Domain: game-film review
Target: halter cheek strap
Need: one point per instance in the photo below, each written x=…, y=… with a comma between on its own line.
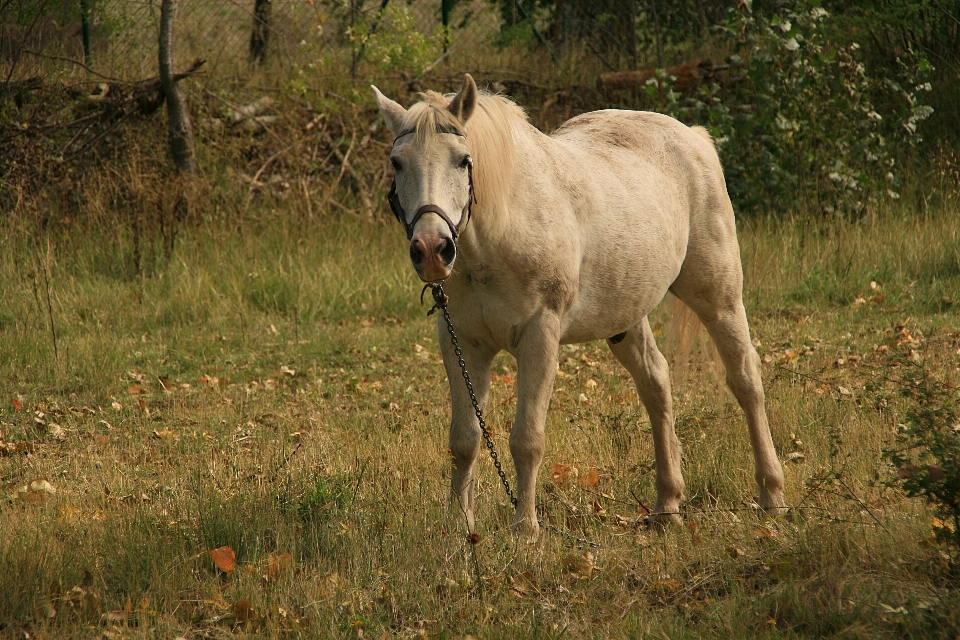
x=398, y=212
x=455, y=229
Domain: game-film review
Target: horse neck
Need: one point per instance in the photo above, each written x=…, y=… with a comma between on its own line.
x=501, y=188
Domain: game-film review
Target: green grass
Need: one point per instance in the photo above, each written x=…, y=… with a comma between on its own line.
x=264, y=390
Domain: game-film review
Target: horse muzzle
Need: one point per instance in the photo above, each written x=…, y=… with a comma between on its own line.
x=432, y=254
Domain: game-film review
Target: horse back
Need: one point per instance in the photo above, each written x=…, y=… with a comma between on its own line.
x=651, y=155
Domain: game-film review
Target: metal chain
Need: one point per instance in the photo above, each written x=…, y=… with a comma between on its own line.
x=440, y=298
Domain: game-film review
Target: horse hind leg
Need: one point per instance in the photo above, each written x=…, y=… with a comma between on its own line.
x=719, y=306
x=637, y=351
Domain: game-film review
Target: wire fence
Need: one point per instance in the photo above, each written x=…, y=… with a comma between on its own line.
x=118, y=38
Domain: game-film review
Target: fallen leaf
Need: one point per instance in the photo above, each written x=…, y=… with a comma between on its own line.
x=278, y=563
x=579, y=566
x=225, y=558
x=134, y=390
x=624, y=522
x=589, y=479
x=765, y=532
x=17, y=405
x=665, y=587
x=36, y=491
x=242, y=611
x=942, y=524
x=794, y=456
x=45, y=608
x=166, y=434
x=559, y=473
x=906, y=472
x=119, y=616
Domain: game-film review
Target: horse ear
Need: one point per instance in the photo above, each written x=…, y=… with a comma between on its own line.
x=392, y=112
x=465, y=101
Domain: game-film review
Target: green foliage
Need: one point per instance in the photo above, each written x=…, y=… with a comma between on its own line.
x=326, y=497
x=394, y=43
x=518, y=34
x=927, y=456
x=798, y=121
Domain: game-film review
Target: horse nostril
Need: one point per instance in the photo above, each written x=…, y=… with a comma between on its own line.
x=416, y=253
x=447, y=251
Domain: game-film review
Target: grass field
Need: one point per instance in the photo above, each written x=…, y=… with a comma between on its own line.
x=279, y=391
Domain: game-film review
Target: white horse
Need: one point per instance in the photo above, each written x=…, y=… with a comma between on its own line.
x=571, y=237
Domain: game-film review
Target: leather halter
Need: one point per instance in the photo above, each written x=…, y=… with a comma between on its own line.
x=398, y=212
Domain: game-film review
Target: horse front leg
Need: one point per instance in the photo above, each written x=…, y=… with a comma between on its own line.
x=465, y=433
x=536, y=371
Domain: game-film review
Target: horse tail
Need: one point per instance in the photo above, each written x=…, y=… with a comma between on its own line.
x=703, y=133
x=685, y=337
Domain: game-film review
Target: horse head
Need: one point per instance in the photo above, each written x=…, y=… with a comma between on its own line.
x=433, y=175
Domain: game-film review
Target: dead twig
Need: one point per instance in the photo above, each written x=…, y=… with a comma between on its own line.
x=256, y=176
x=433, y=64
x=345, y=160
x=78, y=63
x=239, y=109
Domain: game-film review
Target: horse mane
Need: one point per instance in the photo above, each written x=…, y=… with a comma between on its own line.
x=490, y=139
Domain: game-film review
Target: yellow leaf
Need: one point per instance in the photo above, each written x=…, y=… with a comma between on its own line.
x=278, y=563
x=580, y=566
x=665, y=587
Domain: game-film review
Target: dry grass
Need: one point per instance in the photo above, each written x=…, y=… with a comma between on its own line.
x=286, y=397
x=261, y=376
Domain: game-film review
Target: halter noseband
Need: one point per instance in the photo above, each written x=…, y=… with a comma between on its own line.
x=398, y=212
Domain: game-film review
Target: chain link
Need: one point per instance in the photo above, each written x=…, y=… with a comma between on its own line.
x=440, y=300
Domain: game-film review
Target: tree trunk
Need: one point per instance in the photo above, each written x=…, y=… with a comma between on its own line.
x=261, y=31
x=181, y=131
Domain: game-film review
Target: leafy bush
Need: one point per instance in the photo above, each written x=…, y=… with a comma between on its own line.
x=927, y=455
x=394, y=42
x=797, y=120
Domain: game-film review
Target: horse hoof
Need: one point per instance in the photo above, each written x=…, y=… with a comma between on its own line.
x=773, y=504
x=526, y=531
x=660, y=520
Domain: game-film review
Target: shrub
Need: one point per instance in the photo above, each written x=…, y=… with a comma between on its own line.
x=394, y=43
x=927, y=451
x=797, y=120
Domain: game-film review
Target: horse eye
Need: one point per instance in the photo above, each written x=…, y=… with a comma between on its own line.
x=396, y=164
x=465, y=162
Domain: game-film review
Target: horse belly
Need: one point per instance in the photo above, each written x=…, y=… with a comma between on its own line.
x=606, y=309
x=634, y=245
